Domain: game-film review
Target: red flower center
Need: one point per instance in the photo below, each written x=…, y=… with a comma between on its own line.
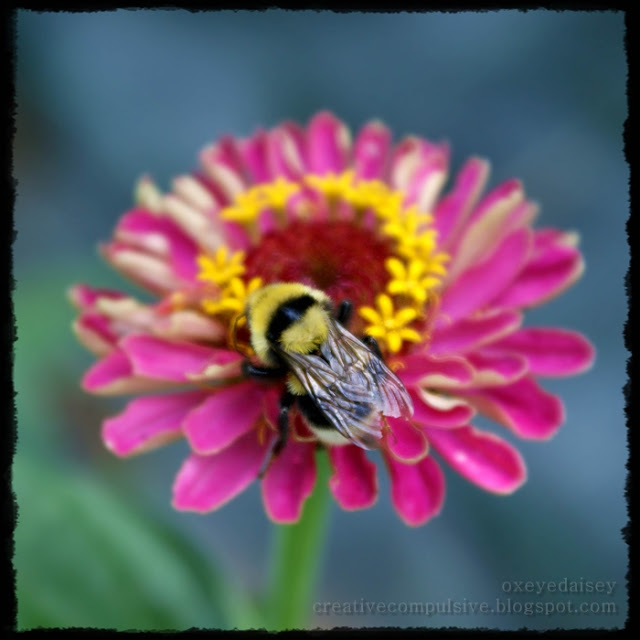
x=341, y=258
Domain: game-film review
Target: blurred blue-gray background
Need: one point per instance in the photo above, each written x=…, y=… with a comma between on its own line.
x=104, y=97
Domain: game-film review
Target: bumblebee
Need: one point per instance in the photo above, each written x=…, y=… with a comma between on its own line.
x=340, y=384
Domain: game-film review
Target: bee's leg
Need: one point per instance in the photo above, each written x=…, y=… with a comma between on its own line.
x=372, y=343
x=286, y=402
x=261, y=373
x=345, y=309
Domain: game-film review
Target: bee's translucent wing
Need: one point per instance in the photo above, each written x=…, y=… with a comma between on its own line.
x=351, y=386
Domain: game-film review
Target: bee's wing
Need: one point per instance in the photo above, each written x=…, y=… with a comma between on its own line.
x=351, y=386
x=362, y=367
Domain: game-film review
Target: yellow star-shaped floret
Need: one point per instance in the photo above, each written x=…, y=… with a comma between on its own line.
x=221, y=268
x=388, y=325
x=412, y=280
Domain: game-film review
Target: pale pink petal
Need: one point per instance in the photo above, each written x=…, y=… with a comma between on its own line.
x=153, y=357
x=469, y=333
x=254, y=152
x=424, y=370
x=289, y=481
x=353, y=483
x=287, y=152
x=483, y=282
x=161, y=236
x=417, y=490
x=149, y=422
x=523, y=406
x=228, y=413
x=404, y=441
x=496, y=368
x=551, y=269
x=205, y=483
x=549, y=352
x=428, y=178
x=371, y=151
x=483, y=458
x=454, y=208
x=433, y=410
x=186, y=324
x=329, y=144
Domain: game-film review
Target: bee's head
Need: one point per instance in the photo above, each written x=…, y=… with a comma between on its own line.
x=307, y=332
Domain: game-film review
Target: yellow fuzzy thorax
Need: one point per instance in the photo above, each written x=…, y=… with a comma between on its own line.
x=304, y=336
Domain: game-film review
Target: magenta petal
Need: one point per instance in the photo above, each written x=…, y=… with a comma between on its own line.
x=371, y=151
x=205, y=483
x=549, y=352
x=224, y=169
x=154, y=357
x=328, y=144
x=454, y=208
x=85, y=297
x=254, y=153
x=289, y=481
x=417, y=490
x=110, y=369
x=483, y=458
x=483, y=282
x=423, y=370
x=523, y=406
x=497, y=368
x=227, y=414
x=449, y=416
x=405, y=441
x=95, y=332
x=353, y=483
x=149, y=422
x=551, y=269
x=469, y=333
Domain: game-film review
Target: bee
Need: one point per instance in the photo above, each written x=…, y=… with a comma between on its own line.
x=339, y=383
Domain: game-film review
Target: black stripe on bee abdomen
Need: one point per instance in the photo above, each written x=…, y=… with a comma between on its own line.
x=287, y=313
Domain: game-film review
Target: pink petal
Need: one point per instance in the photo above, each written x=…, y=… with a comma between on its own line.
x=486, y=227
x=353, y=483
x=371, y=151
x=428, y=178
x=254, y=153
x=549, y=352
x=483, y=282
x=205, y=483
x=84, y=296
x=328, y=144
x=424, y=370
x=452, y=414
x=417, y=490
x=95, y=333
x=523, y=406
x=105, y=372
x=160, y=235
x=154, y=357
x=150, y=271
x=404, y=441
x=223, y=166
x=149, y=422
x=287, y=151
x=496, y=369
x=289, y=482
x=454, y=208
x=551, y=269
x=228, y=413
x=469, y=333
x=483, y=458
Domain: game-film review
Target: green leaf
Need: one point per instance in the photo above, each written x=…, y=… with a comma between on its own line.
x=83, y=559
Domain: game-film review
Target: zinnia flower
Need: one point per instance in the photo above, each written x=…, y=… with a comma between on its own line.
x=439, y=281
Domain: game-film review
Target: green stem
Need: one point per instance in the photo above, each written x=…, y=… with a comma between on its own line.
x=297, y=552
